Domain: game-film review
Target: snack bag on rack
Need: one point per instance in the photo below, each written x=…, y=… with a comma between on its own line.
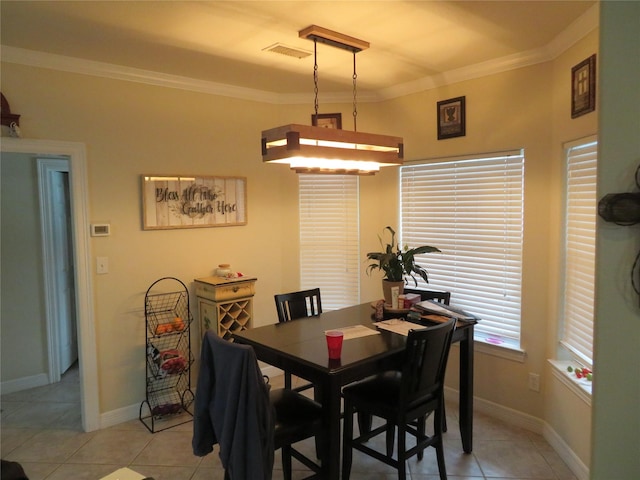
x=171, y=361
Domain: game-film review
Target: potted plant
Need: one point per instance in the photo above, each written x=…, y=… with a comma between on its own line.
x=397, y=264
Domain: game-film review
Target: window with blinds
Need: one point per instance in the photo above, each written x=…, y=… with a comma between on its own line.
x=471, y=209
x=579, y=249
x=329, y=238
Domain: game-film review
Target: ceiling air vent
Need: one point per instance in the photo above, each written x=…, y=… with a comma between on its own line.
x=288, y=51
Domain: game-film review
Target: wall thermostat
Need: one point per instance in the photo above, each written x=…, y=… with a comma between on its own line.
x=100, y=229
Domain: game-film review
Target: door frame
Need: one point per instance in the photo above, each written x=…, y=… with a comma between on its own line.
x=46, y=165
x=79, y=190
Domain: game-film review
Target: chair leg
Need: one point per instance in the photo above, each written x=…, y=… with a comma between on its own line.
x=391, y=433
x=444, y=416
x=364, y=422
x=402, y=452
x=421, y=434
x=286, y=462
x=287, y=380
x=442, y=469
x=347, y=436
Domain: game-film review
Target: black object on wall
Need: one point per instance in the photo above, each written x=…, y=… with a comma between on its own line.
x=624, y=209
x=620, y=208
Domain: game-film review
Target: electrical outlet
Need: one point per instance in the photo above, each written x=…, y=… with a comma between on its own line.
x=534, y=382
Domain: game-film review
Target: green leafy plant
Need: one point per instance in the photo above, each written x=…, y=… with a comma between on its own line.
x=397, y=263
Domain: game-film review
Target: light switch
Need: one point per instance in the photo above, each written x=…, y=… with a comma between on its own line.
x=102, y=265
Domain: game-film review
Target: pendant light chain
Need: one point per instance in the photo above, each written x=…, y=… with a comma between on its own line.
x=355, y=103
x=315, y=77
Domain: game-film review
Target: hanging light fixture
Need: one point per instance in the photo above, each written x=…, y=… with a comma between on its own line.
x=310, y=149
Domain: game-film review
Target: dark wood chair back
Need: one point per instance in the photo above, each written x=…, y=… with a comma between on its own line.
x=425, y=362
x=294, y=305
x=438, y=295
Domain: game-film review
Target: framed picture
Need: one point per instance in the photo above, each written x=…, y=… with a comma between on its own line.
x=451, y=118
x=583, y=87
x=327, y=120
x=189, y=201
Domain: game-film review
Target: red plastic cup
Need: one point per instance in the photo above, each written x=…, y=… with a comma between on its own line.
x=334, y=343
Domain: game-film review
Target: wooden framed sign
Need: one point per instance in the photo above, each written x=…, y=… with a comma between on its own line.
x=181, y=201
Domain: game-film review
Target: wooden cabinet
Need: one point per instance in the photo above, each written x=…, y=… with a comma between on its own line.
x=225, y=304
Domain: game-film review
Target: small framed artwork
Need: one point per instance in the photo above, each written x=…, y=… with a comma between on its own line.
x=327, y=120
x=451, y=118
x=583, y=87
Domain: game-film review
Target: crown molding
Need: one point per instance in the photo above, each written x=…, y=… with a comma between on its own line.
x=572, y=34
x=580, y=28
x=577, y=30
x=118, y=72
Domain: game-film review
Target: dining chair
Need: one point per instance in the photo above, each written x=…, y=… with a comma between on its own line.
x=235, y=408
x=401, y=398
x=439, y=296
x=293, y=306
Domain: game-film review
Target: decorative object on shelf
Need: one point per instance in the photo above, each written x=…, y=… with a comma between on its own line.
x=583, y=87
x=224, y=270
x=318, y=149
x=225, y=304
x=168, y=356
x=451, y=118
x=181, y=201
x=396, y=264
x=10, y=121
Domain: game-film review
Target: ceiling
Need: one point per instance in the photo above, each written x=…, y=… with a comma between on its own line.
x=224, y=41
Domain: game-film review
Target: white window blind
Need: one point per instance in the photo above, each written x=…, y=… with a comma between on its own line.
x=472, y=210
x=580, y=245
x=329, y=238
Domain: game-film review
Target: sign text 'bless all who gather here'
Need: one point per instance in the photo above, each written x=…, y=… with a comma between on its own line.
x=181, y=201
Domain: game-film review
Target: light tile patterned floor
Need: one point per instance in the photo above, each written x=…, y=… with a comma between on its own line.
x=41, y=430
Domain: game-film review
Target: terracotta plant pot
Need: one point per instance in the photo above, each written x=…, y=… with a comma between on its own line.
x=386, y=289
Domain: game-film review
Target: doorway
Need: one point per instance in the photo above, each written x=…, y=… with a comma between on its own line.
x=81, y=260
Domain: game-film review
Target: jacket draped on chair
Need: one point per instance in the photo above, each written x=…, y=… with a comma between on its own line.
x=232, y=408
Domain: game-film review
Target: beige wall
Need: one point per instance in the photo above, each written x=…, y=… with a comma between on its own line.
x=564, y=411
x=131, y=129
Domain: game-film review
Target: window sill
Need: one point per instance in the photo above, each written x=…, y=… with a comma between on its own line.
x=504, y=350
x=580, y=386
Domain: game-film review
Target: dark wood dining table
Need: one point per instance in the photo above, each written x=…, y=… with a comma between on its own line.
x=300, y=348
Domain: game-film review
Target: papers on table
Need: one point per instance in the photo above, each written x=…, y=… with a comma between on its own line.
x=355, y=331
x=433, y=307
x=397, y=325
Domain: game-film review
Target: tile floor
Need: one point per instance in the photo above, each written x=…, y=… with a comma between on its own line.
x=41, y=429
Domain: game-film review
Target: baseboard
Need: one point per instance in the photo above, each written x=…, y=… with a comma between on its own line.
x=119, y=415
x=577, y=466
x=24, y=383
x=530, y=423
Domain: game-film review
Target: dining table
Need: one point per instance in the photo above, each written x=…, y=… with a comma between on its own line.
x=300, y=347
